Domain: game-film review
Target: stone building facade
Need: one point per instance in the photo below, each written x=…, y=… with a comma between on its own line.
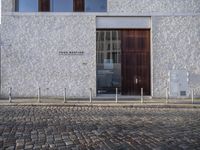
x=34, y=47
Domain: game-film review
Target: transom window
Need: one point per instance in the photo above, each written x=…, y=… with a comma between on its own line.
x=61, y=5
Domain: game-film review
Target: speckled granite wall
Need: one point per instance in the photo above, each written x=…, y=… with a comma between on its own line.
x=30, y=54
x=176, y=45
x=7, y=5
x=30, y=57
x=154, y=6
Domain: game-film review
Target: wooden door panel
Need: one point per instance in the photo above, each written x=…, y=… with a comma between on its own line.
x=135, y=62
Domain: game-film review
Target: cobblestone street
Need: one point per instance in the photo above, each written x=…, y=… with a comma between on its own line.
x=62, y=127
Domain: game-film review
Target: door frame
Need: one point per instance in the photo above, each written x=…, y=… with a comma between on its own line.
x=150, y=55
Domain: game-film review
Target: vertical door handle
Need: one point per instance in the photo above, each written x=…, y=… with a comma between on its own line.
x=136, y=80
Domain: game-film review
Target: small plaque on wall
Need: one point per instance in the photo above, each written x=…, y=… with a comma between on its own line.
x=71, y=52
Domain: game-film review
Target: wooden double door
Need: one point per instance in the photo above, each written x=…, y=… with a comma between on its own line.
x=135, y=62
x=129, y=52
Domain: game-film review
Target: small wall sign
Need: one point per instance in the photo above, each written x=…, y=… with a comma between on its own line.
x=71, y=52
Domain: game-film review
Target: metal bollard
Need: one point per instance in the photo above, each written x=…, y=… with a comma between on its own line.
x=90, y=95
x=192, y=94
x=10, y=95
x=142, y=99
x=116, y=97
x=167, y=95
x=65, y=95
x=39, y=95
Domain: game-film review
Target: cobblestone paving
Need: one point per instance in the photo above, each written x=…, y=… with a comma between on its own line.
x=59, y=127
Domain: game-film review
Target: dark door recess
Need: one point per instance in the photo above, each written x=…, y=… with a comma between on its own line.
x=136, y=62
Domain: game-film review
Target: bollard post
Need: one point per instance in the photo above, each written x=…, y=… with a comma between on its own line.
x=116, y=97
x=192, y=93
x=10, y=95
x=167, y=95
x=90, y=95
x=142, y=99
x=64, y=95
x=39, y=95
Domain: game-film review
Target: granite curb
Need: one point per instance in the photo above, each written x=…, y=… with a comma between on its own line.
x=121, y=103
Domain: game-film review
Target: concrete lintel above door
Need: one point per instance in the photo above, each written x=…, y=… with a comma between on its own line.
x=123, y=22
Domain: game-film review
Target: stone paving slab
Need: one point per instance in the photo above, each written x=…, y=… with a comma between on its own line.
x=96, y=127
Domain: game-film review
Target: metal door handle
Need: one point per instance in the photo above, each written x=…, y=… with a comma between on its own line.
x=136, y=80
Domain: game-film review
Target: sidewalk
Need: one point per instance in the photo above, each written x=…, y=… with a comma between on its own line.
x=186, y=103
